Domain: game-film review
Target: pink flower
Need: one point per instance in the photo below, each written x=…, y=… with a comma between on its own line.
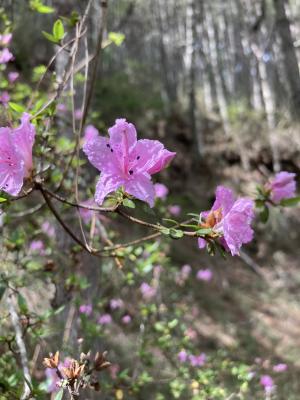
x=197, y=361
x=13, y=76
x=86, y=309
x=37, y=246
x=126, y=319
x=16, y=155
x=282, y=186
x=174, y=210
x=267, y=382
x=4, y=98
x=182, y=356
x=78, y=113
x=125, y=161
x=61, y=107
x=231, y=219
x=281, y=367
x=5, y=39
x=105, y=319
x=183, y=274
x=148, y=292
x=85, y=213
x=114, y=369
x=204, y=275
x=90, y=133
x=48, y=229
x=115, y=304
x=52, y=378
x=161, y=191
x=5, y=56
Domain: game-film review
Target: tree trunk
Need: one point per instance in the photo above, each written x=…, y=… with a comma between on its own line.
x=290, y=58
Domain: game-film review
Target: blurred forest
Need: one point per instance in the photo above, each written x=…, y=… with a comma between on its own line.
x=217, y=81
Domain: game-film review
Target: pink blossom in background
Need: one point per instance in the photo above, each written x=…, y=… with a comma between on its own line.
x=281, y=367
x=4, y=98
x=13, y=76
x=282, y=186
x=78, y=114
x=86, y=309
x=90, y=133
x=197, y=361
x=204, y=275
x=38, y=247
x=231, y=219
x=16, y=155
x=5, y=56
x=114, y=369
x=126, y=319
x=182, y=356
x=191, y=333
x=61, y=107
x=267, y=382
x=126, y=162
x=48, y=229
x=5, y=39
x=52, y=378
x=183, y=275
x=116, y=304
x=161, y=191
x=105, y=319
x=174, y=210
x=85, y=213
x=148, y=292
x=157, y=269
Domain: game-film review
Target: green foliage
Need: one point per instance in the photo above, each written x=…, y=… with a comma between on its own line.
x=40, y=7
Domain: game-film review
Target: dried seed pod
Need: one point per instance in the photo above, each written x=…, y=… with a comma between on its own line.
x=52, y=362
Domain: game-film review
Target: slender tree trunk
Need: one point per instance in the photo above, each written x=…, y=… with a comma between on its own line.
x=290, y=58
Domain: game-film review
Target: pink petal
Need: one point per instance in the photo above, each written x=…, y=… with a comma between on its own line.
x=23, y=138
x=142, y=188
x=106, y=185
x=99, y=153
x=224, y=200
x=90, y=133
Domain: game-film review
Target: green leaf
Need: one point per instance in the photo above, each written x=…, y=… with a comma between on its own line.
x=58, y=30
x=50, y=37
x=3, y=199
x=294, y=201
x=204, y=231
x=165, y=231
x=176, y=233
x=37, y=5
x=16, y=107
x=172, y=221
x=59, y=395
x=172, y=324
x=264, y=214
x=2, y=290
x=116, y=38
x=128, y=203
x=22, y=304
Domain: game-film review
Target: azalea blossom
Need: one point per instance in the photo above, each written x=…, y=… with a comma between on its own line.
x=78, y=113
x=182, y=356
x=126, y=319
x=267, y=382
x=126, y=162
x=5, y=39
x=37, y=247
x=85, y=213
x=230, y=219
x=148, y=292
x=16, y=155
x=90, y=133
x=281, y=367
x=86, y=309
x=204, y=275
x=115, y=304
x=197, y=361
x=4, y=98
x=13, y=76
x=105, y=319
x=174, y=209
x=5, y=56
x=48, y=229
x=161, y=191
x=282, y=186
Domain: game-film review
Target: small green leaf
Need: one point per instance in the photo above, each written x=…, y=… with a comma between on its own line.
x=3, y=199
x=2, y=290
x=204, y=231
x=22, y=304
x=165, y=231
x=116, y=38
x=50, y=37
x=16, y=107
x=58, y=30
x=264, y=214
x=172, y=324
x=59, y=395
x=176, y=233
x=294, y=201
x=37, y=5
x=128, y=203
x=172, y=221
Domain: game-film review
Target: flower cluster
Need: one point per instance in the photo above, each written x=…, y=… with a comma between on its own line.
x=5, y=54
x=229, y=220
x=126, y=162
x=16, y=155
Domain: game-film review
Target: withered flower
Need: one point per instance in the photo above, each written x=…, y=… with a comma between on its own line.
x=100, y=361
x=74, y=371
x=52, y=362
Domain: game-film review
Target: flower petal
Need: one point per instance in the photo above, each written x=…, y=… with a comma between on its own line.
x=23, y=138
x=142, y=188
x=224, y=200
x=99, y=153
x=106, y=185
